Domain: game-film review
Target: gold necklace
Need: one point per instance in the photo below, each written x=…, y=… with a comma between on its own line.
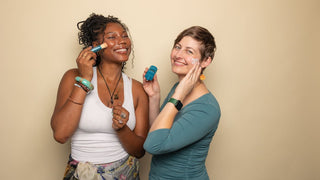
x=111, y=95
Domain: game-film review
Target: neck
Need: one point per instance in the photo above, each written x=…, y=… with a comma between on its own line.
x=198, y=86
x=110, y=71
x=197, y=83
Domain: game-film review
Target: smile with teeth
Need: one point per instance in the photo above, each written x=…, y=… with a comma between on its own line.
x=123, y=50
x=179, y=63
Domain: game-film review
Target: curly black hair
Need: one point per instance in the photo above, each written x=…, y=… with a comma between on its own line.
x=94, y=25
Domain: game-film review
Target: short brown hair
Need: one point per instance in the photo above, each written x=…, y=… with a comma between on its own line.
x=208, y=45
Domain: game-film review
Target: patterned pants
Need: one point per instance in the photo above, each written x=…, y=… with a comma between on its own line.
x=123, y=169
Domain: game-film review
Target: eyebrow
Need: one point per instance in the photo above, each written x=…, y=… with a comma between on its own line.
x=190, y=48
x=186, y=47
x=115, y=32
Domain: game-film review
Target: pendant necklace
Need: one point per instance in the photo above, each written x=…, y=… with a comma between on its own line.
x=111, y=95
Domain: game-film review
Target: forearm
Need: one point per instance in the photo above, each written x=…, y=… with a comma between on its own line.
x=131, y=142
x=154, y=108
x=165, y=118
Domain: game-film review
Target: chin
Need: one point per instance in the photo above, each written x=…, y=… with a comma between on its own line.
x=177, y=72
x=123, y=58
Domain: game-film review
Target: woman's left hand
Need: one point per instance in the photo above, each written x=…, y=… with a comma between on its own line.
x=187, y=83
x=120, y=116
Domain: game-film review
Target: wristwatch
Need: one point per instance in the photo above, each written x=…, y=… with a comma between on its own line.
x=177, y=103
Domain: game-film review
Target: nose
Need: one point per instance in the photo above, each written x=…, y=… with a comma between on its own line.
x=122, y=40
x=178, y=54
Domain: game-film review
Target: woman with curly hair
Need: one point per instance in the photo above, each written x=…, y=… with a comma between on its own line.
x=102, y=110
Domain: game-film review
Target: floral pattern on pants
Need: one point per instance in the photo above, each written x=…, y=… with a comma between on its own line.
x=124, y=169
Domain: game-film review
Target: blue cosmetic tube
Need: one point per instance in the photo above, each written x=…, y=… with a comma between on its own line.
x=150, y=73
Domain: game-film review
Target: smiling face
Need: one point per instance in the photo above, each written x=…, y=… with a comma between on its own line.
x=118, y=41
x=184, y=54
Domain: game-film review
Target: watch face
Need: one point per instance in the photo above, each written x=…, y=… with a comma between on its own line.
x=178, y=105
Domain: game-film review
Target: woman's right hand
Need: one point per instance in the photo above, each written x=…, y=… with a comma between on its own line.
x=152, y=87
x=85, y=62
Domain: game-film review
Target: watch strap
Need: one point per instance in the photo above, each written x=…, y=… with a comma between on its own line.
x=177, y=103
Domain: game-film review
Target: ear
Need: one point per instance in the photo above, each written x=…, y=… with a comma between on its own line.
x=206, y=62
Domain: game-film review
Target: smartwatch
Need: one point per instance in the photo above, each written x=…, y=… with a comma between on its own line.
x=177, y=103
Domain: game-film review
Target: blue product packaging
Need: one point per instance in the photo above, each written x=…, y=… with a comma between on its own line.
x=150, y=73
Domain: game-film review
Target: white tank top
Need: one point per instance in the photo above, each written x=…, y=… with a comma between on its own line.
x=95, y=140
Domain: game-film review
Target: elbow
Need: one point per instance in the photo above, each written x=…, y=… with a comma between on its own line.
x=60, y=138
x=138, y=154
x=152, y=150
x=57, y=134
x=157, y=148
x=60, y=135
x=141, y=154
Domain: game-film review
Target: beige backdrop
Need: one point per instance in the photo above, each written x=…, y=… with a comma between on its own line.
x=265, y=75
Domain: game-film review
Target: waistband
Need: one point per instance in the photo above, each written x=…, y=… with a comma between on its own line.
x=127, y=167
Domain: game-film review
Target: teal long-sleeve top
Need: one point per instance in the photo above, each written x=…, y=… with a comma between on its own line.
x=180, y=152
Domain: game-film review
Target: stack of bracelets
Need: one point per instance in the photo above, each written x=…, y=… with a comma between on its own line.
x=84, y=84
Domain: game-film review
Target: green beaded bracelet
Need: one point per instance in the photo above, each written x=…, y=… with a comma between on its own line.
x=85, y=82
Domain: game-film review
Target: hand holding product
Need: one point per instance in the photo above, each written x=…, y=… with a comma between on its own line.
x=150, y=73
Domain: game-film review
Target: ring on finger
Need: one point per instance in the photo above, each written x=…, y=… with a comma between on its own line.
x=120, y=121
x=123, y=115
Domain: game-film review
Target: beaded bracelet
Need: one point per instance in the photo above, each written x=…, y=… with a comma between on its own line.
x=82, y=87
x=84, y=82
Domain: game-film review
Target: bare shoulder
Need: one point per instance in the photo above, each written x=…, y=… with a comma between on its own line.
x=137, y=87
x=67, y=80
x=139, y=95
x=136, y=84
x=71, y=74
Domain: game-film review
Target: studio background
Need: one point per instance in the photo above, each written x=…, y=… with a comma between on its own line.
x=265, y=76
